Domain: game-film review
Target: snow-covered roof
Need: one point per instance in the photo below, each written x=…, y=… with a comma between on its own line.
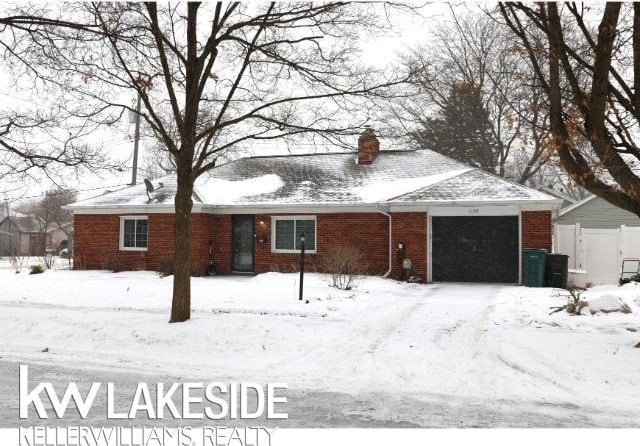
x=333, y=178
x=164, y=193
x=475, y=185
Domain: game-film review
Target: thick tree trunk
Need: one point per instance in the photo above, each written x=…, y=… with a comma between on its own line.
x=181, y=303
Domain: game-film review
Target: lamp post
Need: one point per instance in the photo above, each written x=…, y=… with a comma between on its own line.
x=301, y=264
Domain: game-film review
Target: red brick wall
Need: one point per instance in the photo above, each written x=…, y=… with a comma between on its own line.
x=411, y=230
x=536, y=229
x=201, y=235
x=222, y=243
x=367, y=231
x=97, y=241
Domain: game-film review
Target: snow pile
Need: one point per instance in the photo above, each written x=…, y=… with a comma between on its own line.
x=608, y=304
x=386, y=190
x=584, y=359
x=218, y=191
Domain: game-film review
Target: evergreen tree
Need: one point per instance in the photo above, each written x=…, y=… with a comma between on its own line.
x=461, y=130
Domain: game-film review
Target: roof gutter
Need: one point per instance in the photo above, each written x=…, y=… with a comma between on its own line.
x=388, y=273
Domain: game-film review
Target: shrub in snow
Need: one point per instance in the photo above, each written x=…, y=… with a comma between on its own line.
x=575, y=304
x=604, y=304
x=16, y=263
x=166, y=267
x=36, y=269
x=608, y=304
x=346, y=265
x=47, y=260
x=113, y=265
x=79, y=260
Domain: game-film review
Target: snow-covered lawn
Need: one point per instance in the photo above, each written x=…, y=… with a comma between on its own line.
x=488, y=342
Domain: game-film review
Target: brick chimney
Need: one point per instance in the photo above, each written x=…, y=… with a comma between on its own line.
x=368, y=146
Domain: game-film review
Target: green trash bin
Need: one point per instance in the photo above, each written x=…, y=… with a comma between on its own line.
x=533, y=264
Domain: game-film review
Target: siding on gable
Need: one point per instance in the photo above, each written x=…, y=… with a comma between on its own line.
x=598, y=214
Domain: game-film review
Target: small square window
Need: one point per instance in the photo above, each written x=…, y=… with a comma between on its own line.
x=133, y=233
x=287, y=231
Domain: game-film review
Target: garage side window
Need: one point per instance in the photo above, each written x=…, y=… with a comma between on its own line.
x=133, y=233
x=286, y=232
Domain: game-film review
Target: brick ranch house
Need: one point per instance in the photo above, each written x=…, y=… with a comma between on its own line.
x=448, y=221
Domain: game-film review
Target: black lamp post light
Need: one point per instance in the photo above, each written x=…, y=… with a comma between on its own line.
x=301, y=264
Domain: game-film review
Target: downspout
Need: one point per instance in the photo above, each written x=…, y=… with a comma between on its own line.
x=388, y=273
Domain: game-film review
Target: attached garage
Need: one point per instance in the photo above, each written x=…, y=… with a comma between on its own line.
x=475, y=249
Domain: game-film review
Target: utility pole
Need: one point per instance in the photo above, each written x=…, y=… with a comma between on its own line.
x=144, y=84
x=134, y=170
x=43, y=237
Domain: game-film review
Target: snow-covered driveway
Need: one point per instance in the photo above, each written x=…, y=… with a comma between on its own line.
x=463, y=349
x=425, y=343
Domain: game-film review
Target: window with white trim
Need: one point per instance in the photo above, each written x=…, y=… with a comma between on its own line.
x=286, y=232
x=134, y=233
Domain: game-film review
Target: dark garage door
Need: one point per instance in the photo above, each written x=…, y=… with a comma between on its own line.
x=474, y=249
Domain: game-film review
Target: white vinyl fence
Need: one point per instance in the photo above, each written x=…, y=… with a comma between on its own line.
x=599, y=252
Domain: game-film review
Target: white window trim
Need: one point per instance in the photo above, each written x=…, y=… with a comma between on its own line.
x=292, y=217
x=132, y=217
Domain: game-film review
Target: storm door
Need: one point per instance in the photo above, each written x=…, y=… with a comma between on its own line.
x=243, y=243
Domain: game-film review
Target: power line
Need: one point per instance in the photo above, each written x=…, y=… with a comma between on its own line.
x=74, y=190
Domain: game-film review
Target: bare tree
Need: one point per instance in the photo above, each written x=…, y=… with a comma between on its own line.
x=211, y=77
x=33, y=142
x=591, y=77
x=475, y=52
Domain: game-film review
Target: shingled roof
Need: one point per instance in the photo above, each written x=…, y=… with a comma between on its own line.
x=333, y=178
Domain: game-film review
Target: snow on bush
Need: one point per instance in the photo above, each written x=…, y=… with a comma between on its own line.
x=608, y=303
x=578, y=305
x=346, y=264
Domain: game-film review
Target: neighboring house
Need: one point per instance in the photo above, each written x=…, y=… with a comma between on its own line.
x=596, y=213
x=448, y=221
x=596, y=236
x=21, y=235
